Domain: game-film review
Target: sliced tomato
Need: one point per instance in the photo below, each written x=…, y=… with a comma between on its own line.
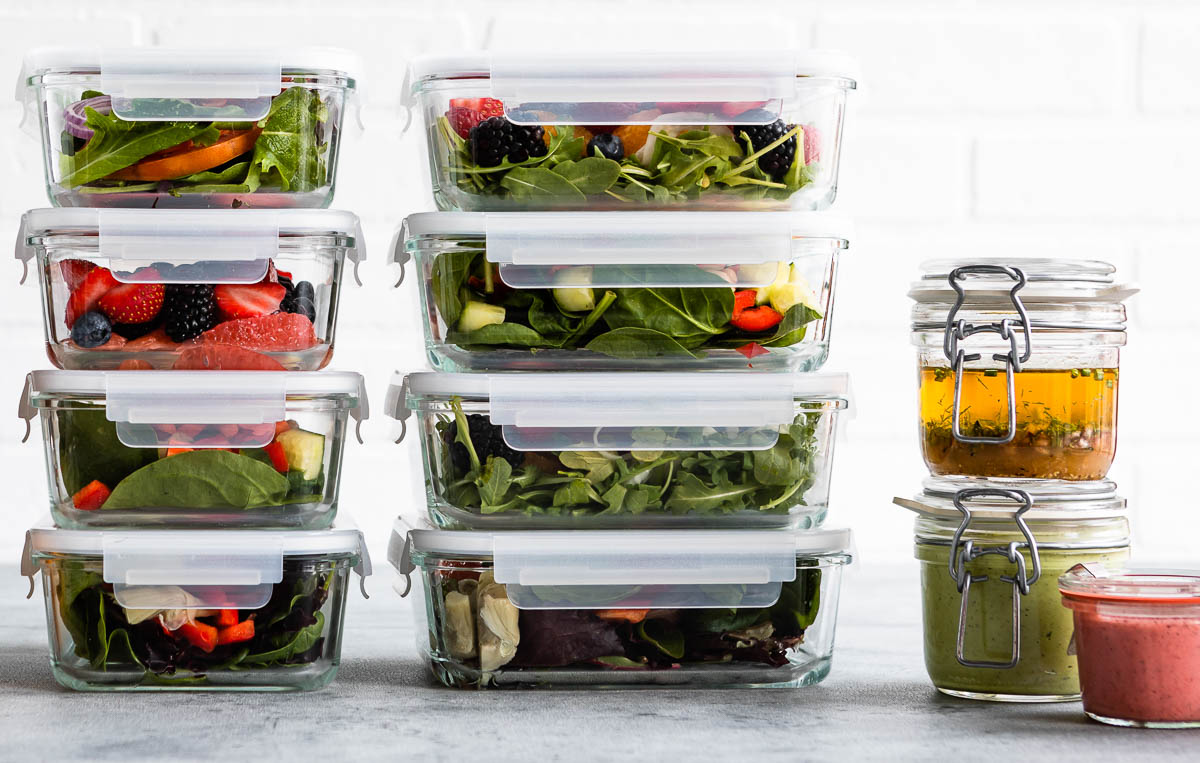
x=188, y=159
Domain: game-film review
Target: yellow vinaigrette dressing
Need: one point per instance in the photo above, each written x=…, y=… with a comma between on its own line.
x=1066, y=423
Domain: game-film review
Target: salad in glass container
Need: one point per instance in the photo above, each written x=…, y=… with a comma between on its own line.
x=190, y=289
x=188, y=449
x=751, y=130
x=155, y=610
x=624, y=609
x=536, y=451
x=625, y=290
x=157, y=127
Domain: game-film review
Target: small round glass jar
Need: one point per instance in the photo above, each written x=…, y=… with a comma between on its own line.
x=1018, y=365
x=991, y=552
x=1137, y=633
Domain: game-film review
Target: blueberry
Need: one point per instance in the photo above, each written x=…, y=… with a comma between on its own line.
x=609, y=146
x=304, y=290
x=91, y=330
x=306, y=308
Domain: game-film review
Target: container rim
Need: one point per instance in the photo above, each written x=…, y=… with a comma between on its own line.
x=1133, y=584
x=46, y=384
x=45, y=221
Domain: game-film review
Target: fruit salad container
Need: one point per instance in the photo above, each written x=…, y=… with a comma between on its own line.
x=707, y=608
x=161, y=128
x=625, y=290
x=1018, y=364
x=751, y=130
x=193, y=448
x=991, y=552
x=190, y=289
x=624, y=450
x=156, y=610
x=1137, y=633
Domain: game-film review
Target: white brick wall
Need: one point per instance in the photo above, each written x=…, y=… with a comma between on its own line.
x=1053, y=128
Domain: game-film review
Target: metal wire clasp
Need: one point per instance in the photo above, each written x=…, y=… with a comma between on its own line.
x=958, y=330
x=964, y=552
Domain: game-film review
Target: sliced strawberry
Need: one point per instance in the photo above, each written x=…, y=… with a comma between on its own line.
x=95, y=285
x=465, y=113
x=133, y=302
x=249, y=300
x=91, y=496
x=812, y=144
x=733, y=108
x=74, y=271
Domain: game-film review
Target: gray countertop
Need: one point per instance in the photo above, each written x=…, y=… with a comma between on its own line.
x=877, y=703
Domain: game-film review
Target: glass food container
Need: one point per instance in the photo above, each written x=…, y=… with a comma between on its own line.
x=193, y=448
x=991, y=552
x=624, y=608
x=1137, y=634
x=743, y=130
x=1018, y=366
x=624, y=450
x=156, y=610
x=625, y=290
x=190, y=289
x=161, y=127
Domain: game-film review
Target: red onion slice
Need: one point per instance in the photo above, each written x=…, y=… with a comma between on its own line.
x=75, y=116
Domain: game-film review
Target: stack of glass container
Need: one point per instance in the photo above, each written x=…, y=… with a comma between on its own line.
x=193, y=450
x=626, y=297
x=1018, y=369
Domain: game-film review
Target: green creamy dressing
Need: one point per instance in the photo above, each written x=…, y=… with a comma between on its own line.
x=1044, y=667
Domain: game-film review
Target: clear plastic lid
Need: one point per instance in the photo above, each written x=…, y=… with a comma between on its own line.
x=988, y=280
x=550, y=89
x=646, y=569
x=1143, y=585
x=1000, y=499
x=616, y=249
x=168, y=84
x=224, y=246
x=149, y=407
x=193, y=569
x=629, y=411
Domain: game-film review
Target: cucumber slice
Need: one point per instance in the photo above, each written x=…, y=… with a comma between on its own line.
x=476, y=315
x=305, y=452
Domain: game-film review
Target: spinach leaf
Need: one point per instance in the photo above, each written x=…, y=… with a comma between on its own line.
x=499, y=334
x=88, y=449
x=776, y=465
x=449, y=278
x=287, y=150
x=677, y=312
x=590, y=175
x=793, y=327
x=634, y=342
x=799, y=602
x=303, y=640
x=540, y=184
x=663, y=634
x=201, y=479
x=118, y=144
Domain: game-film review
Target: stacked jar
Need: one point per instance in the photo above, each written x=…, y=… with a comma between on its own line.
x=626, y=296
x=190, y=280
x=1018, y=374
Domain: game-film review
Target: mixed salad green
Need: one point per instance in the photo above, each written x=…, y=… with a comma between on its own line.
x=483, y=313
x=184, y=645
x=101, y=473
x=476, y=626
x=287, y=150
x=480, y=473
x=661, y=161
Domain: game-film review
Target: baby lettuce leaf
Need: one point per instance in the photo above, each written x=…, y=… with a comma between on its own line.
x=287, y=152
x=201, y=479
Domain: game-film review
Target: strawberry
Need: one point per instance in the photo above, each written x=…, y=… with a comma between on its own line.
x=92, y=496
x=465, y=113
x=133, y=302
x=249, y=300
x=812, y=144
x=74, y=271
x=87, y=296
x=734, y=108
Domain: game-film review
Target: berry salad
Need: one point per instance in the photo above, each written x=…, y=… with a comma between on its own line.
x=665, y=154
x=271, y=325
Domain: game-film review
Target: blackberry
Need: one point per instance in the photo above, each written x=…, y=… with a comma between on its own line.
x=188, y=310
x=131, y=331
x=299, y=298
x=91, y=329
x=776, y=162
x=609, y=146
x=487, y=441
x=495, y=139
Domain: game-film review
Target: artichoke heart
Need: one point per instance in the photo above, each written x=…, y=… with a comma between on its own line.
x=458, y=630
x=499, y=632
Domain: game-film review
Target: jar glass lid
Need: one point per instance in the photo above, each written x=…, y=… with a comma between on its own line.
x=1146, y=585
x=1000, y=498
x=991, y=279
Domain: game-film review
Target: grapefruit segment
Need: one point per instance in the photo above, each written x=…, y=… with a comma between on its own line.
x=225, y=357
x=280, y=332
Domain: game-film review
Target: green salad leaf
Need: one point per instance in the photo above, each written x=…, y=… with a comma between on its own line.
x=201, y=479
x=118, y=144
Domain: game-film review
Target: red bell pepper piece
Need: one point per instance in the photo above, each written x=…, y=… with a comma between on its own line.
x=226, y=618
x=200, y=635
x=243, y=631
x=91, y=496
x=747, y=317
x=278, y=457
